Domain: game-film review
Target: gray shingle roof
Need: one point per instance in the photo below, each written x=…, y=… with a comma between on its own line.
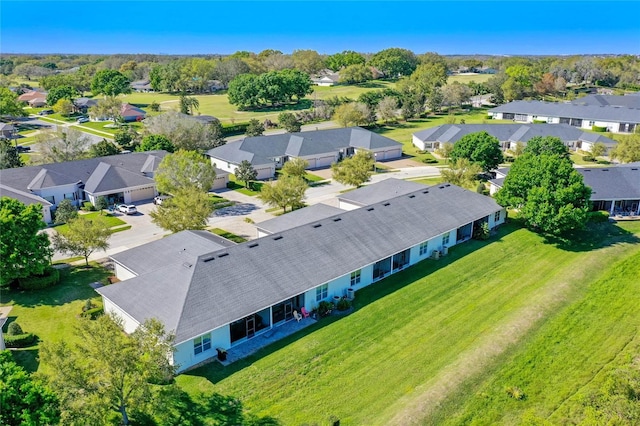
x=568, y=110
x=383, y=190
x=172, y=250
x=263, y=149
x=232, y=283
x=510, y=132
x=613, y=183
x=298, y=217
x=118, y=170
x=609, y=100
x=24, y=197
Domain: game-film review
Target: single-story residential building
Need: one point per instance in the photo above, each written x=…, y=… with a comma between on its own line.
x=228, y=296
x=509, y=135
x=320, y=148
x=326, y=77
x=376, y=193
x=295, y=218
x=141, y=86
x=83, y=104
x=34, y=98
x=7, y=130
x=131, y=113
x=614, y=189
x=122, y=178
x=609, y=101
x=615, y=119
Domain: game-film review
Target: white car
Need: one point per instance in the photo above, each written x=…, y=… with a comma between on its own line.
x=127, y=208
x=83, y=120
x=160, y=198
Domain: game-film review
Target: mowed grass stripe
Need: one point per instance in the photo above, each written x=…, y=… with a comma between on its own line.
x=366, y=367
x=568, y=357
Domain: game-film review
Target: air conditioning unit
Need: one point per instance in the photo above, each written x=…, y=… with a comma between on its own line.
x=445, y=250
x=435, y=254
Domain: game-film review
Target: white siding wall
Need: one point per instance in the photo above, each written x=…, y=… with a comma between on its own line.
x=185, y=358
x=129, y=323
x=221, y=182
x=345, y=205
x=59, y=192
x=46, y=214
x=493, y=223
x=123, y=273
x=418, y=143
x=265, y=171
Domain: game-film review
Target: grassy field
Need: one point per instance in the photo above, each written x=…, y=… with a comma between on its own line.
x=491, y=314
x=110, y=220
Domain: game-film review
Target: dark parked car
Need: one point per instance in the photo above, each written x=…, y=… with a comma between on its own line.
x=21, y=148
x=46, y=112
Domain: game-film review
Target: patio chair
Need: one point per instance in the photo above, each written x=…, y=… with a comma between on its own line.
x=305, y=313
x=297, y=316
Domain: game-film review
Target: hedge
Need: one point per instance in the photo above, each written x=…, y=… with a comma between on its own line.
x=539, y=121
x=50, y=277
x=92, y=313
x=588, y=158
x=599, y=129
x=19, y=341
x=234, y=129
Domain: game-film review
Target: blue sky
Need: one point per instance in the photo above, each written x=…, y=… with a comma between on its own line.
x=203, y=27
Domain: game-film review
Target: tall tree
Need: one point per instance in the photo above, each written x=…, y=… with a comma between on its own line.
x=308, y=61
x=108, y=108
x=184, y=169
x=189, y=208
x=230, y=68
x=62, y=145
x=156, y=142
x=103, y=149
x=82, y=237
x=24, y=401
x=395, y=62
x=342, y=60
x=348, y=115
x=9, y=157
x=65, y=212
x=61, y=92
x=189, y=104
x=548, y=192
x=388, y=109
x=9, y=104
x=63, y=107
x=245, y=173
x=286, y=191
x=627, y=150
x=539, y=145
x=354, y=171
x=356, y=73
x=110, y=83
x=183, y=132
x=461, y=172
x=479, y=147
x=598, y=149
x=255, y=128
x=296, y=167
x=107, y=373
x=289, y=122
x=24, y=250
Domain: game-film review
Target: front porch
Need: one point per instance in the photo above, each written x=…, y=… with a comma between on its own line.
x=259, y=341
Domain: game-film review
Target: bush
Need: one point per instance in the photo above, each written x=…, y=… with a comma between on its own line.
x=14, y=329
x=599, y=216
x=92, y=313
x=588, y=158
x=481, y=232
x=515, y=393
x=600, y=129
x=539, y=121
x=430, y=161
x=603, y=162
x=88, y=207
x=343, y=304
x=154, y=106
x=50, y=277
x=19, y=341
x=325, y=308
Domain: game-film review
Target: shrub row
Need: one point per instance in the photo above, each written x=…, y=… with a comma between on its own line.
x=234, y=129
x=92, y=313
x=50, y=277
x=539, y=121
x=430, y=161
x=87, y=206
x=599, y=129
x=588, y=158
x=19, y=340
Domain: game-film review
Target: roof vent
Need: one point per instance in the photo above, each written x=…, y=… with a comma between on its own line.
x=412, y=196
x=634, y=169
x=223, y=255
x=317, y=225
x=187, y=265
x=337, y=219
x=370, y=209
x=426, y=191
x=447, y=185
x=441, y=187
x=208, y=259
x=253, y=245
x=386, y=204
x=605, y=170
x=279, y=237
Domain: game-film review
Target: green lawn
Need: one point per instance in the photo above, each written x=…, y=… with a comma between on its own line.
x=228, y=235
x=51, y=313
x=428, y=181
x=109, y=219
x=253, y=190
x=418, y=338
x=468, y=78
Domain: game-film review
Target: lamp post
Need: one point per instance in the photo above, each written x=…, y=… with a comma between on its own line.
x=375, y=159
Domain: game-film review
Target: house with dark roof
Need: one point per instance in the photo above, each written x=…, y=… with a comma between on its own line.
x=320, y=148
x=228, y=296
x=296, y=218
x=83, y=104
x=123, y=178
x=509, y=135
x=614, y=189
x=376, y=193
x=132, y=113
x=141, y=86
x=614, y=114
x=7, y=130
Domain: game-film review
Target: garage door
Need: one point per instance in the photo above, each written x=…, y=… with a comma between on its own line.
x=142, y=194
x=265, y=173
x=325, y=162
x=395, y=153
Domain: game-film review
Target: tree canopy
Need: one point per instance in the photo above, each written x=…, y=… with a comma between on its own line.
x=255, y=128
x=184, y=132
x=82, y=237
x=9, y=104
x=343, y=59
x=155, y=142
x=461, y=172
x=287, y=191
x=61, y=92
x=9, y=157
x=110, y=83
x=356, y=73
x=106, y=374
x=103, y=148
x=65, y=144
x=395, y=62
x=189, y=208
x=627, y=150
x=296, y=167
x=245, y=173
x=479, y=147
x=548, y=192
x=273, y=87
x=539, y=145
x=24, y=251
x=182, y=170
x=354, y=171
x=65, y=212
x=289, y=121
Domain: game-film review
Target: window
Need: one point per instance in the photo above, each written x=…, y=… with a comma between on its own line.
x=445, y=240
x=355, y=277
x=322, y=292
x=592, y=123
x=496, y=217
x=202, y=343
x=423, y=248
